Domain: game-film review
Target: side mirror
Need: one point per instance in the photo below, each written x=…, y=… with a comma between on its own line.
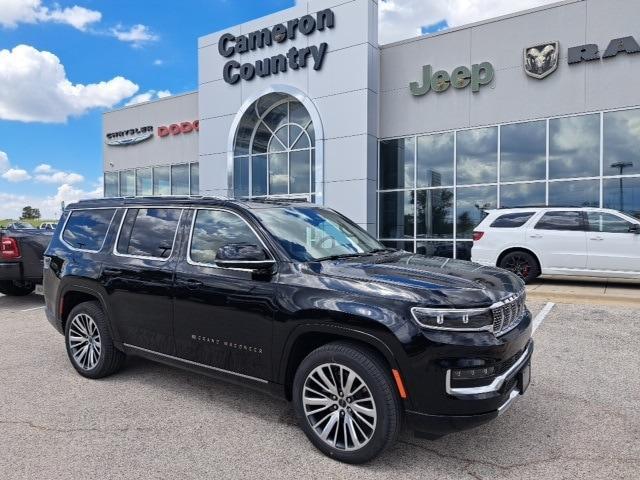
x=243, y=255
x=635, y=228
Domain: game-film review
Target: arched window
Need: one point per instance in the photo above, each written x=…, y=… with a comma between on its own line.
x=274, y=149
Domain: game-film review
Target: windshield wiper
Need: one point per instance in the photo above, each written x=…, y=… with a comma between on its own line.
x=342, y=255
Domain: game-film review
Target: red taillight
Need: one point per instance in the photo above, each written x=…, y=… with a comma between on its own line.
x=9, y=249
x=477, y=236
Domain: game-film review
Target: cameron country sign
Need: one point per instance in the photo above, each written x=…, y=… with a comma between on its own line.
x=295, y=58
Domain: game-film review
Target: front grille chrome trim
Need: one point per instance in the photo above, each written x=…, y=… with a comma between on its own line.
x=494, y=386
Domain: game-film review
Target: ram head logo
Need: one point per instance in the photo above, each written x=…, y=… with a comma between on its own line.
x=541, y=60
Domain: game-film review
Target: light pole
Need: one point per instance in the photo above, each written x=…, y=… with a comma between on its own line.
x=621, y=166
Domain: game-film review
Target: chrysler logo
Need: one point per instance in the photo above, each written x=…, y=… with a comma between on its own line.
x=541, y=60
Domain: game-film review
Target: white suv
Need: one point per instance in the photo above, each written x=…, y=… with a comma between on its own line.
x=559, y=241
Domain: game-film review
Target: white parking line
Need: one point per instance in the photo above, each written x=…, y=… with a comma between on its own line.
x=30, y=309
x=541, y=316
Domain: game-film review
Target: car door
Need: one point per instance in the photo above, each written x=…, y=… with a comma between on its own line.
x=223, y=316
x=559, y=240
x=138, y=277
x=611, y=244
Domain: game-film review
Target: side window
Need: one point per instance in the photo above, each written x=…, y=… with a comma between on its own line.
x=511, y=220
x=213, y=229
x=607, y=223
x=562, y=221
x=148, y=232
x=86, y=229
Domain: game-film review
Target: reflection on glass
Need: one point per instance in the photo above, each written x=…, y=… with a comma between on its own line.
x=180, y=179
x=399, y=245
x=144, y=182
x=574, y=146
x=582, y=193
x=241, y=177
x=277, y=117
x=522, y=195
x=111, y=188
x=471, y=204
x=622, y=194
x=86, y=229
x=278, y=173
x=397, y=158
x=149, y=232
x=523, y=151
x=434, y=213
x=161, y=180
x=477, y=152
x=127, y=183
x=435, y=160
x=435, y=249
x=259, y=175
x=621, y=141
x=396, y=214
x=195, y=178
x=245, y=129
x=299, y=175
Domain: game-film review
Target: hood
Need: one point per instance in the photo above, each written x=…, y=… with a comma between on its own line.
x=433, y=281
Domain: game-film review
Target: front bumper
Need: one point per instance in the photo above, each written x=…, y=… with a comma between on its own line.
x=439, y=425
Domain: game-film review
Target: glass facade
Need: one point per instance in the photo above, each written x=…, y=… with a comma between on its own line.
x=179, y=179
x=433, y=189
x=274, y=149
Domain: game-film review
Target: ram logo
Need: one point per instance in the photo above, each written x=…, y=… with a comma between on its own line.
x=541, y=60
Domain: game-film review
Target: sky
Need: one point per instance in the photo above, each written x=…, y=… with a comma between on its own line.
x=63, y=63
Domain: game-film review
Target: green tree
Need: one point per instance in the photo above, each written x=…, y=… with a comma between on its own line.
x=29, y=212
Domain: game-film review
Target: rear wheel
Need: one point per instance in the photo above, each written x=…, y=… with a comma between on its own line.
x=89, y=343
x=16, y=289
x=346, y=403
x=522, y=264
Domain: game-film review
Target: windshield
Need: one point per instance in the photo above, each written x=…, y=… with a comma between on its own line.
x=21, y=226
x=311, y=233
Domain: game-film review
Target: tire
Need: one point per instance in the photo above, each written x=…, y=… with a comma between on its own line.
x=377, y=396
x=522, y=264
x=100, y=358
x=15, y=289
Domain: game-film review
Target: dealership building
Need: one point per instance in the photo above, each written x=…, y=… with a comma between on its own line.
x=412, y=140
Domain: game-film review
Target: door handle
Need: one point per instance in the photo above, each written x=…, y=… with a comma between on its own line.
x=535, y=235
x=597, y=239
x=192, y=283
x=112, y=271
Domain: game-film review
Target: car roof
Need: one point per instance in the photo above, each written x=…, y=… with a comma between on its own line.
x=185, y=201
x=547, y=209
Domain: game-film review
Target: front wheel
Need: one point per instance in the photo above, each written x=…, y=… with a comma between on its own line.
x=346, y=403
x=522, y=264
x=16, y=289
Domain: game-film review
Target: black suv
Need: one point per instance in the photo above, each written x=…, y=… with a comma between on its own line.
x=296, y=300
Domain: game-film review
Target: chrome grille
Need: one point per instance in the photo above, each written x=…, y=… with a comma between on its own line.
x=508, y=313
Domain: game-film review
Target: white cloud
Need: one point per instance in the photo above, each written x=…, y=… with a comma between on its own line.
x=45, y=173
x=50, y=206
x=148, y=96
x=16, y=175
x=13, y=12
x=158, y=62
x=401, y=19
x=4, y=162
x=137, y=35
x=35, y=88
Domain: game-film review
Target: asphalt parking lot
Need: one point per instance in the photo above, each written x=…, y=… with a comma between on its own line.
x=579, y=419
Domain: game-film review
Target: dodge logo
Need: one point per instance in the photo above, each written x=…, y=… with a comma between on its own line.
x=541, y=60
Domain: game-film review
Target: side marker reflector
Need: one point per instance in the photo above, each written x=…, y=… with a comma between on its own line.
x=399, y=384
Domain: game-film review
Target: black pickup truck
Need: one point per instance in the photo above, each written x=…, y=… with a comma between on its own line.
x=21, y=252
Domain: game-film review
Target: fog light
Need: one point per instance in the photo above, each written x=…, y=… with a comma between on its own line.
x=473, y=373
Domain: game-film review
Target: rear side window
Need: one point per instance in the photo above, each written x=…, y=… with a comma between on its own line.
x=86, y=229
x=512, y=220
x=563, y=221
x=213, y=229
x=148, y=232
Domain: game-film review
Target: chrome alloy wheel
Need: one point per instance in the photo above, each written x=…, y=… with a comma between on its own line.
x=339, y=407
x=84, y=341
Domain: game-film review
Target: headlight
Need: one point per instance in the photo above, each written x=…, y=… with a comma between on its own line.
x=453, y=319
